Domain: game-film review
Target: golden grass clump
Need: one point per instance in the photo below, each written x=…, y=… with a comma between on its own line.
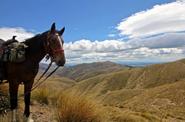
x=77, y=109
x=41, y=95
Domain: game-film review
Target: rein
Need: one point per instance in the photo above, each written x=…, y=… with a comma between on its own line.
x=45, y=71
x=40, y=82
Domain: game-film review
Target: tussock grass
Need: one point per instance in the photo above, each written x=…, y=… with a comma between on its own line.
x=128, y=118
x=69, y=108
x=76, y=109
x=41, y=95
x=150, y=117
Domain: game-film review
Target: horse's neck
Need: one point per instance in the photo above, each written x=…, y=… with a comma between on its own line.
x=35, y=51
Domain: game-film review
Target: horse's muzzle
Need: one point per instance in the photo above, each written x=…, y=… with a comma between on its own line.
x=61, y=63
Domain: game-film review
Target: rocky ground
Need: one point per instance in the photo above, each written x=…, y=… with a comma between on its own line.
x=42, y=113
x=39, y=113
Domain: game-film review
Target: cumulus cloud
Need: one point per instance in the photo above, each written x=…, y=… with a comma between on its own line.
x=168, y=40
x=96, y=46
x=117, y=50
x=163, y=18
x=154, y=34
x=7, y=33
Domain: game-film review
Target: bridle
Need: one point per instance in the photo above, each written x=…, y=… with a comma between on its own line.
x=50, y=55
x=47, y=46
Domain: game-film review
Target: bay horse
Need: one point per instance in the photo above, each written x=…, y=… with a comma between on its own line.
x=48, y=43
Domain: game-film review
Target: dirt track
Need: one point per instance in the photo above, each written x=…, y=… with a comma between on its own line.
x=42, y=113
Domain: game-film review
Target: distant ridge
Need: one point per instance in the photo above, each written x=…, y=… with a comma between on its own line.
x=87, y=70
x=133, y=78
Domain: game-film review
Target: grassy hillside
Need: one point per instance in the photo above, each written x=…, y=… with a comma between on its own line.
x=134, y=78
x=167, y=101
x=57, y=83
x=153, y=93
x=87, y=70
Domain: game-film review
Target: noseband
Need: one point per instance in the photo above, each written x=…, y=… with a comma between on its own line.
x=50, y=51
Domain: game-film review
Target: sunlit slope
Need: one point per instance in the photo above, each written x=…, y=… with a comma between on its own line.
x=134, y=79
x=152, y=93
x=87, y=70
x=56, y=83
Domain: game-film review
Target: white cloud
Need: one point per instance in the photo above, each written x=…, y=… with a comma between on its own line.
x=136, y=49
x=7, y=33
x=163, y=18
x=96, y=46
x=168, y=46
x=161, y=51
x=168, y=40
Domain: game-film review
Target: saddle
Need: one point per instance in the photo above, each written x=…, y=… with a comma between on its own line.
x=11, y=51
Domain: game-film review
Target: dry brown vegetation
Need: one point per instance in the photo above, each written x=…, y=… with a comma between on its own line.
x=67, y=107
x=41, y=95
x=72, y=108
x=86, y=70
x=4, y=102
x=154, y=93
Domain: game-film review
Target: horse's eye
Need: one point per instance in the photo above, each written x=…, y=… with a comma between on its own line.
x=54, y=42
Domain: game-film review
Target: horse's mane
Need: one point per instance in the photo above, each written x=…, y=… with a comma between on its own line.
x=35, y=38
x=36, y=42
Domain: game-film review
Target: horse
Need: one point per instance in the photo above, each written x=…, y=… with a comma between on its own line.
x=47, y=43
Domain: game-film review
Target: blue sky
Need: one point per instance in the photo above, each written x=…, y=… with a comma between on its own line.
x=101, y=30
x=89, y=19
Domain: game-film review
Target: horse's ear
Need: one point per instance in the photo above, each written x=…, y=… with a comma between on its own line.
x=53, y=28
x=62, y=31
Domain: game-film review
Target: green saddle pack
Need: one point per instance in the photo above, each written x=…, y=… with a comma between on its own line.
x=14, y=52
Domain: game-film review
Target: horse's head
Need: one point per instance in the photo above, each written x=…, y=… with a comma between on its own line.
x=54, y=45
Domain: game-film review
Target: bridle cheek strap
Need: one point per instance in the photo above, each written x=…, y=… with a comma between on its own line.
x=58, y=51
x=49, y=50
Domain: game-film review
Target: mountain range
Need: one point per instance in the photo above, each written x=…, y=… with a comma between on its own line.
x=86, y=70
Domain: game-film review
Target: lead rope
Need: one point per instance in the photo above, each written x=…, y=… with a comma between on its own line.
x=38, y=84
x=45, y=71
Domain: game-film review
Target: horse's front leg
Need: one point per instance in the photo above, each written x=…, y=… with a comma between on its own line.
x=13, y=90
x=27, y=94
